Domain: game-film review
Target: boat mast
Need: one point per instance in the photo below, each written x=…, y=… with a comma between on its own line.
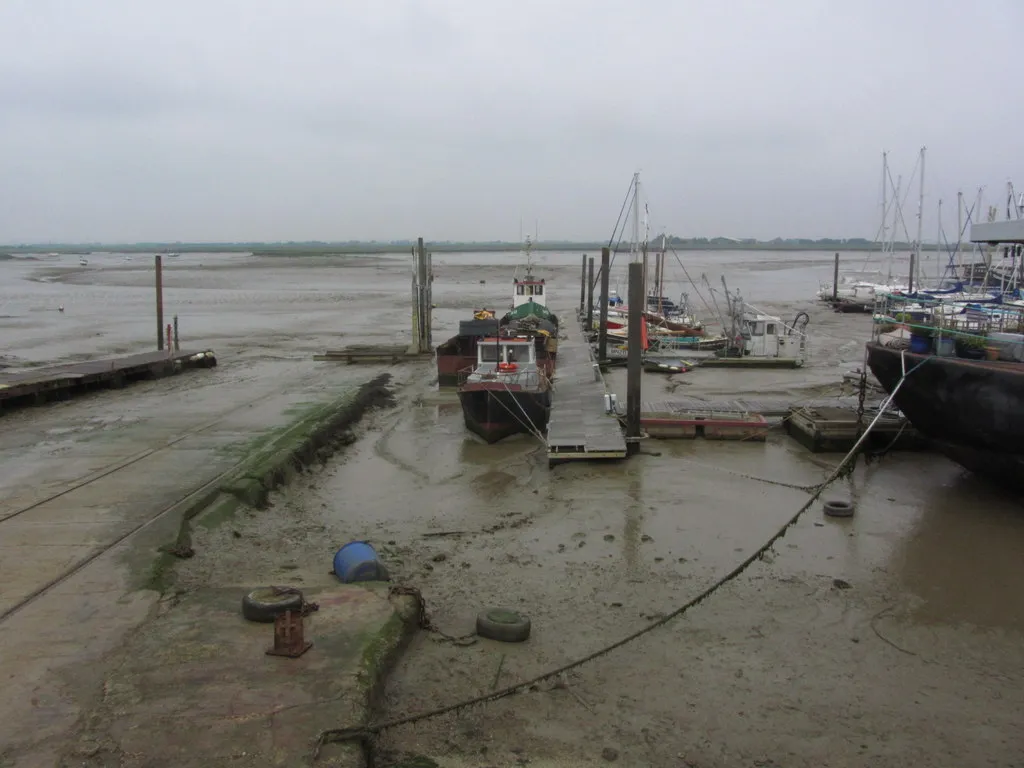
x=885, y=204
x=959, y=233
x=636, y=217
x=938, y=238
x=897, y=212
x=920, y=216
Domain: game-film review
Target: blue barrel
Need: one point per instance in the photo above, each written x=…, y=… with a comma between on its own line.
x=357, y=561
x=920, y=345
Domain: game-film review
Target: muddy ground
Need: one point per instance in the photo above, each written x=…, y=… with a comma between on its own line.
x=888, y=639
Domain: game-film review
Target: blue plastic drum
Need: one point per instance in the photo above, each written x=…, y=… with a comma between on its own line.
x=357, y=561
x=920, y=345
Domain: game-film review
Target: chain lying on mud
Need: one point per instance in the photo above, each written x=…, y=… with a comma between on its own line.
x=367, y=733
x=308, y=606
x=423, y=620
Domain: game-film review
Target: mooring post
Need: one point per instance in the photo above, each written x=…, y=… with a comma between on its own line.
x=590, y=298
x=835, y=279
x=602, y=331
x=159, y=302
x=583, y=285
x=635, y=355
x=424, y=308
x=169, y=347
x=177, y=346
x=910, y=280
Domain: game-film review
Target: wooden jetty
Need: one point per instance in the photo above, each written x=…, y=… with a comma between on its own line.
x=371, y=353
x=579, y=427
x=750, y=361
x=60, y=382
x=770, y=408
x=709, y=424
x=827, y=429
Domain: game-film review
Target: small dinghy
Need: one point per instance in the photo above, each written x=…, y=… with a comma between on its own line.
x=672, y=366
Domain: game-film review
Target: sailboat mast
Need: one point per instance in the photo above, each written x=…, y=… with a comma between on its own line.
x=636, y=216
x=938, y=238
x=897, y=212
x=959, y=232
x=921, y=210
x=885, y=197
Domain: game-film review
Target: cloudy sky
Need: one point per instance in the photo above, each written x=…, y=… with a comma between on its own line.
x=129, y=120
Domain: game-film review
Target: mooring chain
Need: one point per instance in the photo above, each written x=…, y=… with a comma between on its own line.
x=367, y=733
x=308, y=606
x=423, y=620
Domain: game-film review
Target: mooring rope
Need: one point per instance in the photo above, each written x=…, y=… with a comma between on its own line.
x=366, y=733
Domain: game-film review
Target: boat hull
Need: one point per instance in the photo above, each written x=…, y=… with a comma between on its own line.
x=494, y=412
x=973, y=410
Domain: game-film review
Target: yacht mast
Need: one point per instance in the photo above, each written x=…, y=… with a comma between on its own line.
x=636, y=217
x=920, y=215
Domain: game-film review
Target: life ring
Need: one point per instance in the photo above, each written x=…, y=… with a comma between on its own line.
x=507, y=366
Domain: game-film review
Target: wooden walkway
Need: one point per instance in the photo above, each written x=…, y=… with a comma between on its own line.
x=59, y=382
x=767, y=407
x=578, y=428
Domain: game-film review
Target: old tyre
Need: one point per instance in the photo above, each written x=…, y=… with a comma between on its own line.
x=503, y=624
x=837, y=508
x=265, y=603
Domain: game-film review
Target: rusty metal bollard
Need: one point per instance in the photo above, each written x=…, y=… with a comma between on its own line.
x=289, y=639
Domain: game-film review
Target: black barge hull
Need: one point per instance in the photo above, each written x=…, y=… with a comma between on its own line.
x=973, y=410
x=495, y=414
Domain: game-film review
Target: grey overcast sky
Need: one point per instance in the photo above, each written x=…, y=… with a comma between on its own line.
x=135, y=120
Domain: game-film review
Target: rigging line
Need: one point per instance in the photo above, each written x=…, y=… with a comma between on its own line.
x=536, y=430
x=364, y=733
x=878, y=231
x=611, y=240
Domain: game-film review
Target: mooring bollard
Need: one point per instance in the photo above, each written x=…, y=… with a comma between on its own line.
x=177, y=347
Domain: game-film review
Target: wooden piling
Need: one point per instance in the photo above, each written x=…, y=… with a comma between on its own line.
x=590, y=296
x=159, y=302
x=583, y=285
x=602, y=333
x=177, y=346
x=910, y=280
x=635, y=355
x=835, y=279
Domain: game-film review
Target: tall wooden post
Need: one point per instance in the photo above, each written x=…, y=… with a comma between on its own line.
x=583, y=285
x=590, y=296
x=421, y=299
x=633, y=362
x=910, y=281
x=835, y=279
x=602, y=331
x=159, y=302
x=177, y=345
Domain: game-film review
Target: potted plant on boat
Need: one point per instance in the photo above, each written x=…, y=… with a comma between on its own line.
x=970, y=347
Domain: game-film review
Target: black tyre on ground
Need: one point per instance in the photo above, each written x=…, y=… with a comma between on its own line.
x=836, y=508
x=265, y=603
x=502, y=624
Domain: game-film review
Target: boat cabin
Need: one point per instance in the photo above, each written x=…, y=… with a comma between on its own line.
x=506, y=354
x=768, y=336
x=528, y=290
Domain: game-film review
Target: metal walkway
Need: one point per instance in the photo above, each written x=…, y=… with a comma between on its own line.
x=578, y=427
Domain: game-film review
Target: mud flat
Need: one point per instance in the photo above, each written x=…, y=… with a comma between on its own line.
x=888, y=639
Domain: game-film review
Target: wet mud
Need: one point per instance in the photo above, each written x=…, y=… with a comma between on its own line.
x=890, y=638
